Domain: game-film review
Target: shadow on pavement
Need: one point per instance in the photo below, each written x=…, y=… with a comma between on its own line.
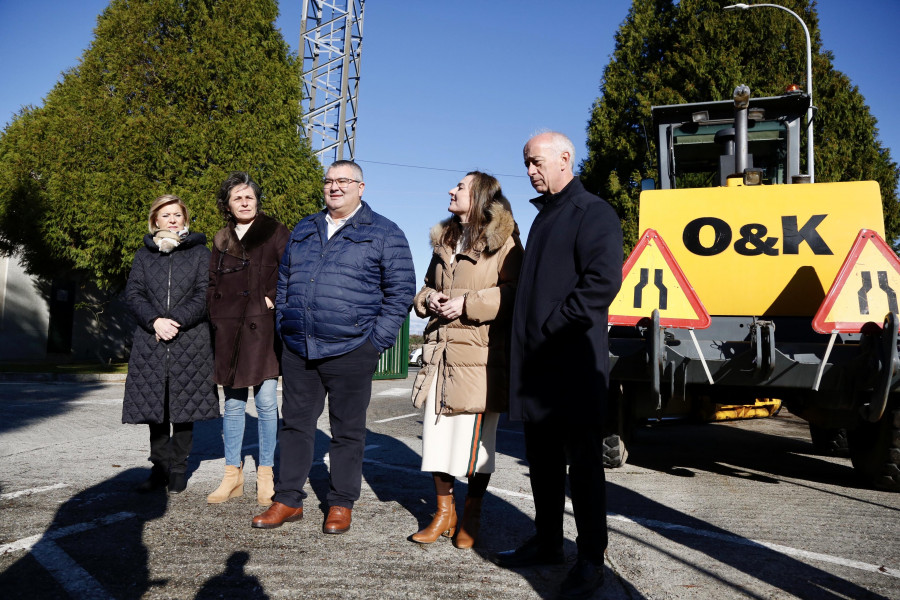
x=81, y=555
x=28, y=403
x=739, y=449
x=234, y=582
x=764, y=564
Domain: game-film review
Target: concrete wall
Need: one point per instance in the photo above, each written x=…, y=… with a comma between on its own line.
x=102, y=333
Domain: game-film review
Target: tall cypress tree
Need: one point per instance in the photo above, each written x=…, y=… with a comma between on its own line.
x=169, y=98
x=671, y=52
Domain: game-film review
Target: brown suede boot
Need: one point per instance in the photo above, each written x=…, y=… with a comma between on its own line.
x=470, y=525
x=265, y=486
x=444, y=522
x=232, y=485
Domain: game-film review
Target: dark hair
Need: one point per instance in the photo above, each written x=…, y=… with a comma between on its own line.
x=484, y=193
x=347, y=163
x=238, y=178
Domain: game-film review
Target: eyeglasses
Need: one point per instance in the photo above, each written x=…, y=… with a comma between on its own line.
x=343, y=182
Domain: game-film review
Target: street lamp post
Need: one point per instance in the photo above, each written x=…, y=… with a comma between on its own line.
x=809, y=92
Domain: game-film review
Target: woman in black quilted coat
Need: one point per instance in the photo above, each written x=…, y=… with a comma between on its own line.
x=170, y=369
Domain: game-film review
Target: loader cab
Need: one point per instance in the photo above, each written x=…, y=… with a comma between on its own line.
x=696, y=141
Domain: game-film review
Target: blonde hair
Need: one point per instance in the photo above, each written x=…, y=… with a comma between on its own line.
x=159, y=204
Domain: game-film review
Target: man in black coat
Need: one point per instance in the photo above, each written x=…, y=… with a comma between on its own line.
x=559, y=365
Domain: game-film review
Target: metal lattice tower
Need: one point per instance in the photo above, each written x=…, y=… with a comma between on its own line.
x=331, y=36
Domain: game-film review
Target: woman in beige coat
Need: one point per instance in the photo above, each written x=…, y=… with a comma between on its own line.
x=468, y=295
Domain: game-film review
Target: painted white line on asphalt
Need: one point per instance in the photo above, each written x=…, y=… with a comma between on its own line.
x=734, y=539
x=68, y=573
x=55, y=534
x=651, y=524
x=110, y=402
x=394, y=392
x=28, y=492
x=415, y=414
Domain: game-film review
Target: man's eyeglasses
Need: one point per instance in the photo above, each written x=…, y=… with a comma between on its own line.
x=343, y=182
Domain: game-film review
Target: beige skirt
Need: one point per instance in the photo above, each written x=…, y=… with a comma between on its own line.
x=460, y=445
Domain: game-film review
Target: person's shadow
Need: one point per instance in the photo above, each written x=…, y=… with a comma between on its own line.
x=397, y=478
x=234, y=582
x=94, y=547
x=769, y=566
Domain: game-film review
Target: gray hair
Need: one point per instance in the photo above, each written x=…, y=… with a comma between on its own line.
x=559, y=143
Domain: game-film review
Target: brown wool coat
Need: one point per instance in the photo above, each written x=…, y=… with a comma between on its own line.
x=242, y=273
x=470, y=355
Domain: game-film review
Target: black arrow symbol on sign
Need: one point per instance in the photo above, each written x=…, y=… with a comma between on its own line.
x=863, y=293
x=658, y=282
x=888, y=291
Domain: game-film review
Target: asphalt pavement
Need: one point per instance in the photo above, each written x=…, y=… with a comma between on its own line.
x=734, y=510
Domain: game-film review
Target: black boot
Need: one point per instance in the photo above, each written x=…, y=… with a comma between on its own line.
x=157, y=480
x=177, y=482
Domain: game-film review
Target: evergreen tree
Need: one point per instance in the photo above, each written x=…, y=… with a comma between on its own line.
x=170, y=97
x=670, y=52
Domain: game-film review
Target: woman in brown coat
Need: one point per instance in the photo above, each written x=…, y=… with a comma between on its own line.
x=243, y=272
x=468, y=295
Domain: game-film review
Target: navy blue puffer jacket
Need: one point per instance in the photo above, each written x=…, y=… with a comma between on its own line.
x=335, y=294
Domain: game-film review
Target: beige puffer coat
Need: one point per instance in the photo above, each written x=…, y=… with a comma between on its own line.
x=470, y=355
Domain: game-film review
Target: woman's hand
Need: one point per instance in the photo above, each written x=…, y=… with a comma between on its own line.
x=435, y=301
x=451, y=308
x=269, y=304
x=166, y=329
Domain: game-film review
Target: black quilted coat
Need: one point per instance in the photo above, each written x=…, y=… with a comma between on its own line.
x=170, y=285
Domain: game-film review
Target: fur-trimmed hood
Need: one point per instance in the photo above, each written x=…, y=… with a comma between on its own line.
x=501, y=226
x=262, y=228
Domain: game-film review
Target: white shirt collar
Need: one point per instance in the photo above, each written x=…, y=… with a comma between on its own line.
x=335, y=225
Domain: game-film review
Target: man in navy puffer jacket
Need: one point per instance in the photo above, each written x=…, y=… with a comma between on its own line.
x=345, y=285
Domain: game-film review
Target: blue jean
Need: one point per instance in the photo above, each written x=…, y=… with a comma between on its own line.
x=266, y=400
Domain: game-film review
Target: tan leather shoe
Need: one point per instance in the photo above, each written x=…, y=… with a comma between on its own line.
x=232, y=485
x=265, y=486
x=338, y=520
x=470, y=524
x=444, y=522
x=277, y=515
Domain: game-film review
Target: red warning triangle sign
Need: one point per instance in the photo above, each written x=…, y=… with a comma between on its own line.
x=651, y=278
x=865, y=289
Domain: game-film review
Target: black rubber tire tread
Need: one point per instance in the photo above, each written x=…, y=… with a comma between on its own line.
x=614, y=453
x=830, y=441
x=875, y=449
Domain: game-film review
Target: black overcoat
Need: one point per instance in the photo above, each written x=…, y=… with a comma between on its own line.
x=572, y=271
x=171, y=285
x=242, y=273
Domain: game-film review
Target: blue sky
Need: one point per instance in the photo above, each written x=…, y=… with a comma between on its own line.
x=450, y=87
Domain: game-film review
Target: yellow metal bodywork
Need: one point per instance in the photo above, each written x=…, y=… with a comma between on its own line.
x=769, y=282
x=762, y=408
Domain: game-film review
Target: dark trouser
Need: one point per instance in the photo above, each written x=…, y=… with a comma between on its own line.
x=170, y=451
x=549, y=445
x=347, y=380
x=170, y=445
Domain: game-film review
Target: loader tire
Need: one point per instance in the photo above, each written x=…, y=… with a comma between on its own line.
x=830, y=441
x=875, y=449
x=614, y=453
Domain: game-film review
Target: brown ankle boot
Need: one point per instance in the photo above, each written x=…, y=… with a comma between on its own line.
x=265, y=486
x=232, y=485
x=444, y=522
x=470, y=525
